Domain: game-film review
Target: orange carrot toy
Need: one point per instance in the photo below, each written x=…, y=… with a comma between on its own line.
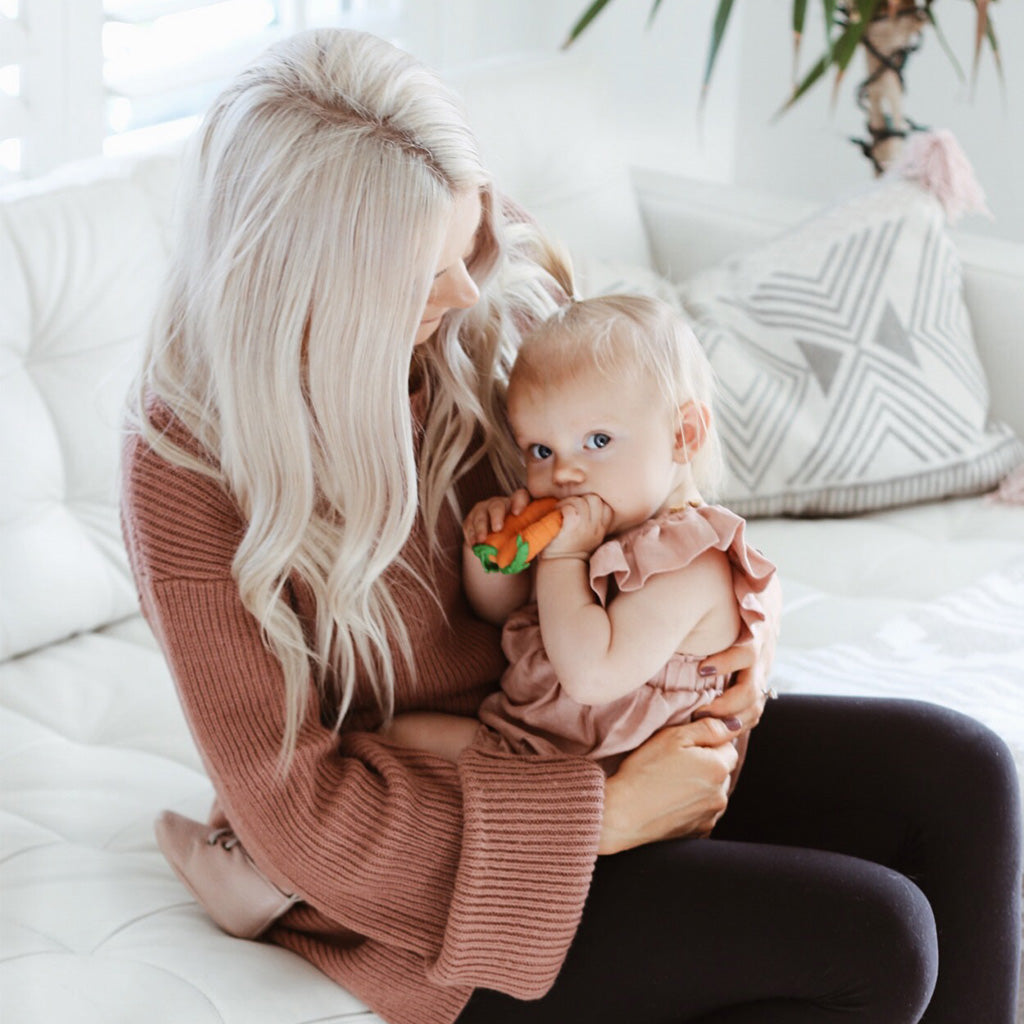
x=521, y=538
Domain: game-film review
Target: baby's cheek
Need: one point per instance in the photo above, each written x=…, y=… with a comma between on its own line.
x=536, y=483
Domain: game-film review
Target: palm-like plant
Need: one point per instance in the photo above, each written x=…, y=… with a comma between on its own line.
x=888, y=31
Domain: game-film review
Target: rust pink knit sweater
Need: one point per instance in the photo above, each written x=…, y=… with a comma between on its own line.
x=421, y=879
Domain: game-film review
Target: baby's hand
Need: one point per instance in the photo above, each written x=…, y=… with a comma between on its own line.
x=488, y=516
x=586, y=520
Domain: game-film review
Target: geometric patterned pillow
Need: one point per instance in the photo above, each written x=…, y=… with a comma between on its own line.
x=848, y=377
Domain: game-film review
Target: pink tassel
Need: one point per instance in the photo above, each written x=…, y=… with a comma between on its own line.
x=1011, y=490
x=936, y=161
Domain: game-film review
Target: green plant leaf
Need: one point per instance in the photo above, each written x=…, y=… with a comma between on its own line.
x=799, y=17
x=997, y=57
x=980, y=34
x=812, y=76
x=584, y=20
x=845, y=24
x=944, y=43
x=846, y=46
x=996, y=52
x=828, y=9
x=721, y=23
x=839, y=57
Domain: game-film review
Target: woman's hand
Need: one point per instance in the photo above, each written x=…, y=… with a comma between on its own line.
x=749, y=664
x=675, y=785
x=489, y=516
x=742, y=703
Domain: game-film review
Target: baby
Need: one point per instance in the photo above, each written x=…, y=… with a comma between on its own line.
x=609, y=402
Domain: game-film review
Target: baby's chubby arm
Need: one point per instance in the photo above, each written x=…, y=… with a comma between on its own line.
x=602, y=653
x=493, y=596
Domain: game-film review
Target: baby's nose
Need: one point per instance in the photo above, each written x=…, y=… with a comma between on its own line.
x=567, y=470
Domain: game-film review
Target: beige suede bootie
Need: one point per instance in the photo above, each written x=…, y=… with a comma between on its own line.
x=220, y=874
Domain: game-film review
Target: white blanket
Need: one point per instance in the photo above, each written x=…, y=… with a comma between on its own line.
x=936, y=614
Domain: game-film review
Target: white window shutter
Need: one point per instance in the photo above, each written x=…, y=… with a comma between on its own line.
x=165, y=60
x=14, y=119
x=56, y=114
x=83, y=77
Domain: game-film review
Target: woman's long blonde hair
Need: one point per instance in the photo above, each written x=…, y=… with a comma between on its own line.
x=314, y=205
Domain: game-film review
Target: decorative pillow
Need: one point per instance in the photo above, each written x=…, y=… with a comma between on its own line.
x=847, y=370
x=1011, y=490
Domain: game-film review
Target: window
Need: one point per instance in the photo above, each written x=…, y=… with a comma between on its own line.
x=13, y=112
x=84, y=77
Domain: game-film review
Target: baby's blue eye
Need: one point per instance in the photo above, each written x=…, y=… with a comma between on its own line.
x=597, y=440
x=540, y=452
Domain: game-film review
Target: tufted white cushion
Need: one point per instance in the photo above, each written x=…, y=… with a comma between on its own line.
x=81, y=258
x=94, y=926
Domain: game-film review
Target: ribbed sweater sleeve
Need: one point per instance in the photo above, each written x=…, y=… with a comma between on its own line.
x=422, y=879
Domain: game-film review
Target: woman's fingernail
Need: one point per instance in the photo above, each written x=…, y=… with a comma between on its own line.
x=707, y=670
x=732, y=723
x=698, y=715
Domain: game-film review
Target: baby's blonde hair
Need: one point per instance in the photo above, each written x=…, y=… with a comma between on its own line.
x=629, y=339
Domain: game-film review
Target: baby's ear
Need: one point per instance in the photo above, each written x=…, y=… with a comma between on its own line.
x=692, y=424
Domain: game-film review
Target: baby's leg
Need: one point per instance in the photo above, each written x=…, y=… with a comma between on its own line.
x=444, y=735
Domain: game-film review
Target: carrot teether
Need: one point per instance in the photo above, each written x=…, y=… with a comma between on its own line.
x=521, y=538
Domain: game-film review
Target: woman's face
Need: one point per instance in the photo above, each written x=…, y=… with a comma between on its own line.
x=453, y=288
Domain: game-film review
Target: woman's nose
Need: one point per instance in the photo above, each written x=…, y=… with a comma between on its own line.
x=459, y=290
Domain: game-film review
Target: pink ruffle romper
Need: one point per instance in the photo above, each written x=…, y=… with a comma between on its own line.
x=532, y=714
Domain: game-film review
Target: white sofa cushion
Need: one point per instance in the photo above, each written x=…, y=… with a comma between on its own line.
x=847, y=365
x=81, y=259
x=923, y=602
x=95, y=926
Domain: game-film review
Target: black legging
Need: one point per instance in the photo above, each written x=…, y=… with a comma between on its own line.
x=867, y=871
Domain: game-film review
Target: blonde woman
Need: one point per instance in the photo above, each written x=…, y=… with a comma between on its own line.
x=319, y=405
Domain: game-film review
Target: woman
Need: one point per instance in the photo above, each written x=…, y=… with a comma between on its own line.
x=320, y=402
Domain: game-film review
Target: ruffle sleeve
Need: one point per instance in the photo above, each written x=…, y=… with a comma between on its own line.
x=672, y=541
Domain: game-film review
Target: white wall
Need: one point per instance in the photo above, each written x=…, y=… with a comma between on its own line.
x=652, y=74
x=650, y=78
x=654, y=86
x=653, y=77
x=449, y=33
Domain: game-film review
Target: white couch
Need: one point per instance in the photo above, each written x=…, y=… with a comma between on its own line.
x=926, y=601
